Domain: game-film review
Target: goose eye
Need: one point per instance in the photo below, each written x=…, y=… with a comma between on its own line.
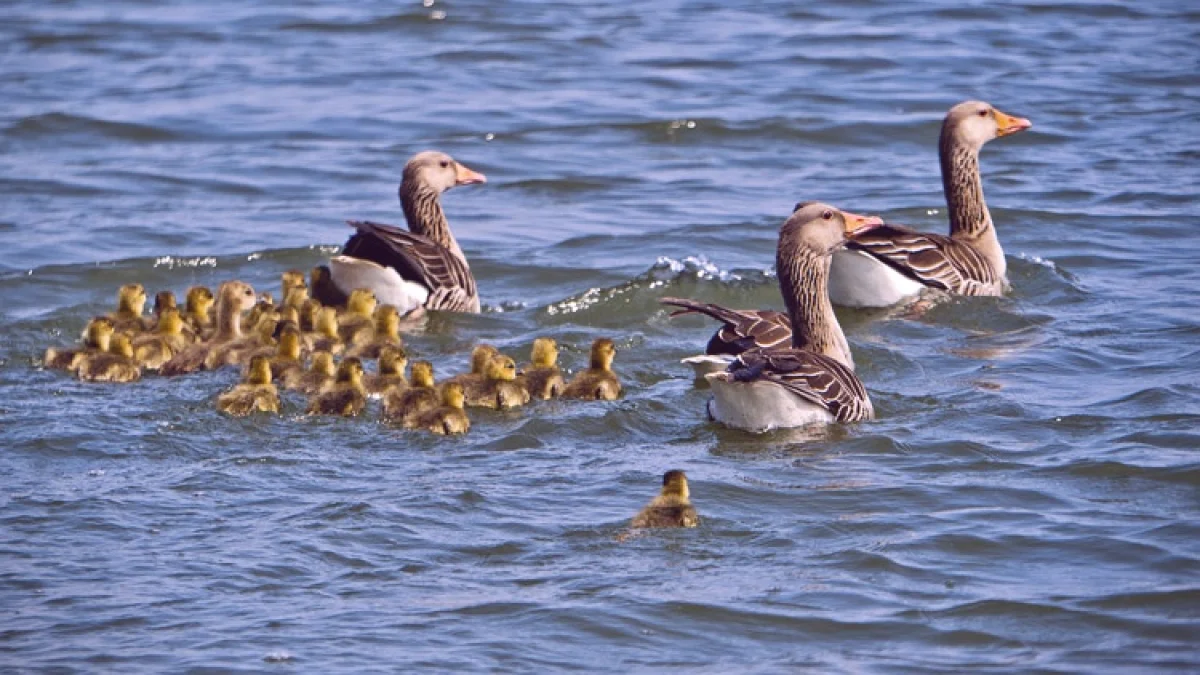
x=445, y=164
x=827, y=214
x=982, y=113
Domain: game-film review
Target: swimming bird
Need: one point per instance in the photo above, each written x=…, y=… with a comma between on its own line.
x=288, y=353
x=320, y=374
x=390, y=375
x=497, y=388
x=672, y=507
x=405, y=407
x=542, y=377
x=233, y=298
x=131, y=302
x=449, y=418
x=892, y=263
x=741, y=329
x=197, y=311
x=114, y=365
x=326, y=336
x=97, y=335
x=346, y=396
x=423, y=267
x=358, y=315
x=480, y=355
x=385, y=332
x=598, y=382
x=256, y=393
x=812, y=381
x=152, y=350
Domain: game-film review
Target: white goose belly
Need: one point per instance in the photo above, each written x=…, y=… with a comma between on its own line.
x=389, y=287
x=856, y=279
x=760, y=406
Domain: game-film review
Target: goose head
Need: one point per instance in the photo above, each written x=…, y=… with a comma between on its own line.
x=973, y=123
x=437, y=171
x=822, y=229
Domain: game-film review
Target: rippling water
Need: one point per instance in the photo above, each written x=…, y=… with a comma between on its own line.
x=1027, y=499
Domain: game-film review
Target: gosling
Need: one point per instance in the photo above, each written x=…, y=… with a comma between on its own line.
x=542, y=379
x=598, y=382
x=346, y=396
x=405, y=407
x=256, y=393
x=671, y=508
x=97, y=335
x=114, y=365
x=449, y=418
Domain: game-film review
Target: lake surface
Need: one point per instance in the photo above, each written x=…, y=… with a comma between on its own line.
x=1027, y=500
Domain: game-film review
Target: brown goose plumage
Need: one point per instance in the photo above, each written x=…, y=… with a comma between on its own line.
x=970, y=260
x=427, y=254
x=816, y=373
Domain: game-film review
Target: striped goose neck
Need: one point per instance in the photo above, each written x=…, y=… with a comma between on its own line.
x=423, y=210
x=962, y=183
x=803, y=279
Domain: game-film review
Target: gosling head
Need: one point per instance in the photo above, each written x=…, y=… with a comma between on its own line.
x=237, y=296
x=163, y=300
x=674, y=484
x=392, y=361
x=131, y=298
x=199, y=301
x=362, y=302
x=422, y=374
x=501, y=367
x=820, y=229
x=973, y=123
x=453, y=395
x=437, y=171
x=350, y=371
x=387, y=320
x=603, y=353
x=296, y=296
x=99, y=333
x=545, y=352
x=480, y=357
x=292, y=279
x=259, y=371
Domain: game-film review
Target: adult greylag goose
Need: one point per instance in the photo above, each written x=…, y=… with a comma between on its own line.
x=892, y=263
x=419, y=267
x=813, y=380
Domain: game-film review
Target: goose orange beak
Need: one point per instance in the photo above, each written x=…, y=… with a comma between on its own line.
x=857, y=224
x=1007, y=124
x=465, y=176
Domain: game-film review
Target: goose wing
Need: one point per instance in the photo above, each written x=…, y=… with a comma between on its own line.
x=742, y=329
x=416, y=258
x=814, y=377
x=934, y=260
